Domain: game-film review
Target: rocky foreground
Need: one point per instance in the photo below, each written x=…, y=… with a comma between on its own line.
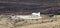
x=46, y=22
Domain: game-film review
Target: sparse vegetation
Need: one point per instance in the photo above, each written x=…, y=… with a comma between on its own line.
x=48, y=22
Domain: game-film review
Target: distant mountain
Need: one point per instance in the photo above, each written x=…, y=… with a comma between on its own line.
x=29, y=6
x=30, y=0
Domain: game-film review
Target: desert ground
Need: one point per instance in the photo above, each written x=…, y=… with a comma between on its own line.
x=45, y=22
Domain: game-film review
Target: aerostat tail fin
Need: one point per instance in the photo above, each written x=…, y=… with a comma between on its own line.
x=38, y=13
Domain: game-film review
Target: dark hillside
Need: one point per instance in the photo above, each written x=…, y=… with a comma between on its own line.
x=29, y=6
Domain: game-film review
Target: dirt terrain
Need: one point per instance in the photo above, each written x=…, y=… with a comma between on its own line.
x=46, y=22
